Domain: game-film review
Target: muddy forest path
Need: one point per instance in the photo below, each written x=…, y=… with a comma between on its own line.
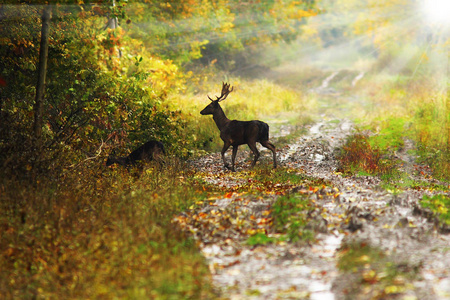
x=368, y=243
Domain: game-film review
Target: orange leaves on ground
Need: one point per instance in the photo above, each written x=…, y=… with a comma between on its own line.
x=202, y=215
x=264, y=221
x=231, y=215
x=313, y=189
x=266, y=212
x=370, y=276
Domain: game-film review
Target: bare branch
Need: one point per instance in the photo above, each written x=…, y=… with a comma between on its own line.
x=99, y=151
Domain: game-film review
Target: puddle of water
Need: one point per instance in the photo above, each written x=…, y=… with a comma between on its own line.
x=318, y=157
x=273, y=269
x=330, y=244
x=346, y=126
x=358, y=78
x=322, y=296
x=315, y=129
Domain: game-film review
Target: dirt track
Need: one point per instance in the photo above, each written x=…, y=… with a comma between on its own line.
x=362, y=213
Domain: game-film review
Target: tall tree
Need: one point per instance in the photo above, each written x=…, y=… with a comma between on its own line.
x=42, y=71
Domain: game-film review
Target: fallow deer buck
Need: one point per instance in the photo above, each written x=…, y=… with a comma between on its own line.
x=152, y=150
x=235, y=133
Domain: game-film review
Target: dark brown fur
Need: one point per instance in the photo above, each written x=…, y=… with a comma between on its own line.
x=147, y=152
x=235, y=133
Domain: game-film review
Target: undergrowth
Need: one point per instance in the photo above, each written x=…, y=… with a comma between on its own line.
x=84, y=231
x=291, y=213
x=375, y=272
x=360, y=155
x=415, y=110
x=390, y=134
x=101, y=234
x=440, y=205
x=255, y=99
x=290, y=218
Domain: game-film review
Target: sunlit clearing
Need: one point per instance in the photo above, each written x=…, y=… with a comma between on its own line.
x=437, y=11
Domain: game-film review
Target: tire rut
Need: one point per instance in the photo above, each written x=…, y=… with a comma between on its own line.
x=349, y=209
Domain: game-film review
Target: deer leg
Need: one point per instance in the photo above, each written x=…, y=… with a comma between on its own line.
x=271, y=147
x=255, y=151
x=224, y=149
x=233, y=157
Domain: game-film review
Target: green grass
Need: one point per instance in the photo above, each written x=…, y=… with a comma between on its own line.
x=291, y=221
x=440, y=205
x=390, y=134
x=374, y=271
x=373, y=154
x=397, y=182
x=289, y=214
x=359, y=156
x=399, y=108
x=281, y=176
x=250, y=99
x=260, y=239
x=290, y=218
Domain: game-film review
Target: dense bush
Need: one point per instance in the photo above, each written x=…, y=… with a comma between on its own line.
x=110, y=85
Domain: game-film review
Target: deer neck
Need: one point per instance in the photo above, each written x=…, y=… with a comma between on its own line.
x=220, y=118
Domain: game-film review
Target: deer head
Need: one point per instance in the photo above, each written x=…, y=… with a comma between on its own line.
x=214, y=105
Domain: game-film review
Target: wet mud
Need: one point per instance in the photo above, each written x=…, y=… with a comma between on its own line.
x=349, y=210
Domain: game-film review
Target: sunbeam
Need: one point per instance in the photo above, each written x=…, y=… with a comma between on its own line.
x=436, y=11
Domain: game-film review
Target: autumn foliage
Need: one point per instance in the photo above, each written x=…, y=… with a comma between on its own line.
x=359, y=155
x=70, y=227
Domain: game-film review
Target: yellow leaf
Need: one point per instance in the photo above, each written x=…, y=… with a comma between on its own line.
x=251, y=231
x=364, y=258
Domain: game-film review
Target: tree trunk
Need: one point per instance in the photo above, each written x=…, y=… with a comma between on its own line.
x=42, y=71
x=113, y=23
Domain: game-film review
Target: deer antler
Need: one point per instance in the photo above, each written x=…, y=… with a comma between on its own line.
x=225, y=91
